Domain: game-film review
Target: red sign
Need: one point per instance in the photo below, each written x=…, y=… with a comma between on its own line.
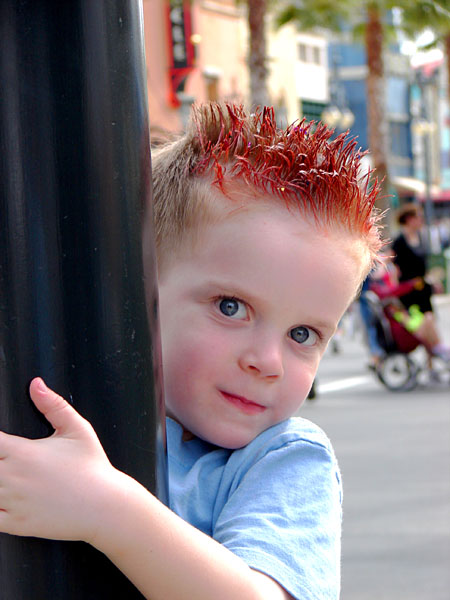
x=181, y=49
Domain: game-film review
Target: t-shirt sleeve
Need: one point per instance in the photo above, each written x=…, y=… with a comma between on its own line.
x=283, y=518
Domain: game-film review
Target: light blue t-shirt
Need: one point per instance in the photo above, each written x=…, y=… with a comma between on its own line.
x=275, y=503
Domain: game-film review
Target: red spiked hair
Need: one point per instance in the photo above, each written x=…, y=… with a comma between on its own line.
x=302, y=165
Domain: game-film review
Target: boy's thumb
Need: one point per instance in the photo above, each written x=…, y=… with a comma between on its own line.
x=55, y=409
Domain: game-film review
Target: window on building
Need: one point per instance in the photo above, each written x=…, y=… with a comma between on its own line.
x=397, y=95
x=316, y=55
x=303, y=52
x=309, y=54
x=399, y=134
x=312, y=111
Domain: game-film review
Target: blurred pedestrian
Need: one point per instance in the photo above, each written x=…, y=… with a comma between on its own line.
x=370, y=329
x=410, y=248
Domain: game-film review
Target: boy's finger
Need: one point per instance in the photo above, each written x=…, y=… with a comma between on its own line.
x=56, y=410
x=3, y=443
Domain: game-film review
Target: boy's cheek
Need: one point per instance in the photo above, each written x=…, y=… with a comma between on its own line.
x=186, y=356
x=303, y=384
x=193, y=346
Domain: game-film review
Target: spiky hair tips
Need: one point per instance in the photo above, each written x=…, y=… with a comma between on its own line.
x=302, y=164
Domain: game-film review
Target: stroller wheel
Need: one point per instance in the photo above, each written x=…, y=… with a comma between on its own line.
x=397, y=372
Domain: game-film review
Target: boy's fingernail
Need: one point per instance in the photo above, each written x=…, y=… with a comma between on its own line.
x=41, y=386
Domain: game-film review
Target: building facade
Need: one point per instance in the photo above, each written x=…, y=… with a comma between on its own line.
x=197, y=51
x=352, y=73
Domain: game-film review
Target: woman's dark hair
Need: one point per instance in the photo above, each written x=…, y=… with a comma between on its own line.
x=406, y=211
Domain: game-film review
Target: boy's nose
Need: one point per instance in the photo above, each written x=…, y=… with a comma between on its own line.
x=263, y=359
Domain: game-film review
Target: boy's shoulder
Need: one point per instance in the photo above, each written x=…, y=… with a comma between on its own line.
x=291, y=431
x=296, y=445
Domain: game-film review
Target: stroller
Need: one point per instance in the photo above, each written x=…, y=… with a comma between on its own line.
x=397, y=369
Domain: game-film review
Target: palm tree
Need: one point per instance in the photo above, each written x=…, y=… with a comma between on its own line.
x=376, y=110
x=257, y=56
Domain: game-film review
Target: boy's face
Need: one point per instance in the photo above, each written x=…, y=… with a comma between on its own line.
x=246, y=316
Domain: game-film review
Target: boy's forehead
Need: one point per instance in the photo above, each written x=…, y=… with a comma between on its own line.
x=239, y=211
x=239, y=205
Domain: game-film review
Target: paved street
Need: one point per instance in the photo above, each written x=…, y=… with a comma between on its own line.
x=394, y=453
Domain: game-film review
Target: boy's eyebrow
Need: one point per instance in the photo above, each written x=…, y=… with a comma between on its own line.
x=231, y=286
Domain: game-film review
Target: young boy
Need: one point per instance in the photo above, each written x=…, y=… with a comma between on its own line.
x=263, y=238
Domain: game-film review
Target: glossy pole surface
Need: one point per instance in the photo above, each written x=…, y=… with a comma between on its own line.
x=75, y=185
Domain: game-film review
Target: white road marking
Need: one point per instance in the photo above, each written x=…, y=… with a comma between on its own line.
x=343, y=384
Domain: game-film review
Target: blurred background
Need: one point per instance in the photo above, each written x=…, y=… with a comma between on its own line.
x=380, y=69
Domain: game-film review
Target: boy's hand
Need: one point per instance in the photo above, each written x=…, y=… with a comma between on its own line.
x=54, y=487
x=64, y=487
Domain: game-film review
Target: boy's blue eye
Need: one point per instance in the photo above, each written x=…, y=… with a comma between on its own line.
x=231, y=307
x=303, y=335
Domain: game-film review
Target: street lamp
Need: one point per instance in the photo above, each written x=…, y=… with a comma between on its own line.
x=425, y=128
x=337, y=114
x=340, y=118
x=422, y=127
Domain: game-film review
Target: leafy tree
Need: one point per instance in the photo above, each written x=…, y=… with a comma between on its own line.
x=311, y=14
x=431, y=14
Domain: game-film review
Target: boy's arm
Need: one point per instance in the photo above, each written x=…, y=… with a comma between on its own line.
x=166, y=558
x=64, y=487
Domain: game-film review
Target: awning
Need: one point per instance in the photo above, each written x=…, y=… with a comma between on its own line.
x=416, y=187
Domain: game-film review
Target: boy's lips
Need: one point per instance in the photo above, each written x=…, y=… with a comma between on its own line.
x=244, y=404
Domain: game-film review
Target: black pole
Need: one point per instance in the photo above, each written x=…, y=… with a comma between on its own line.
x=74, y=184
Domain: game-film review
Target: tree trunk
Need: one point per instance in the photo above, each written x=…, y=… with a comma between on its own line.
x=257, y=53
x=376, y=102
